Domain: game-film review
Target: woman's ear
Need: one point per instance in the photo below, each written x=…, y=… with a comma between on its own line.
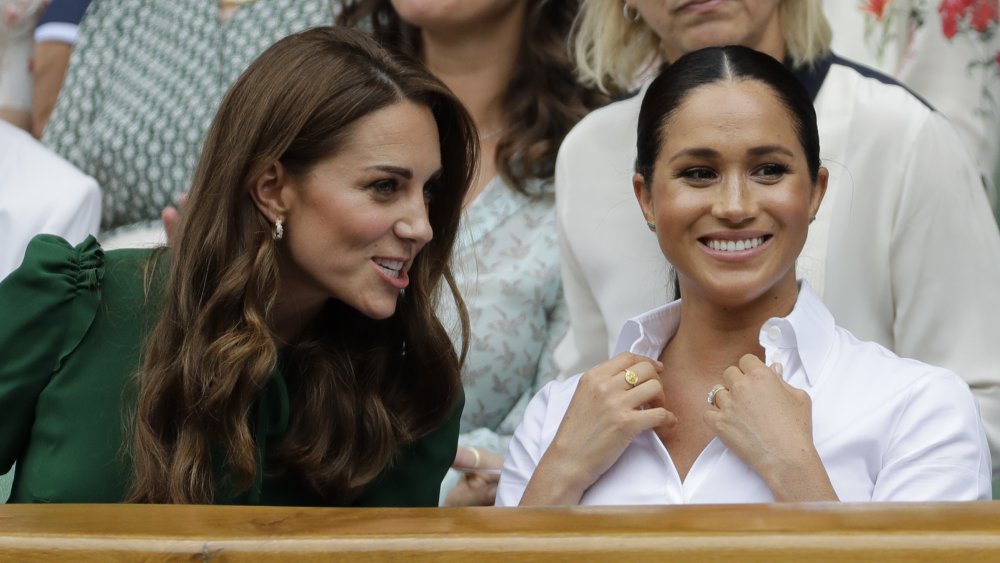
x=819, y=190
x=269, y=192
x=642, y=194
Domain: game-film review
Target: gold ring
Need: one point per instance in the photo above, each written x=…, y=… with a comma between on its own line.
x=712, y=394
x=631, y=377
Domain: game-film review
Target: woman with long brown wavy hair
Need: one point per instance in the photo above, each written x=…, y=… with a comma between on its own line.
x=286, y=349
x=508, y=62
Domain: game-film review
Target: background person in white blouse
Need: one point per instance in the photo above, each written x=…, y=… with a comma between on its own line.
x=728, y=177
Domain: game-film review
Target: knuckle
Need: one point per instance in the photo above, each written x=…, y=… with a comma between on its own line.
x=620, y=421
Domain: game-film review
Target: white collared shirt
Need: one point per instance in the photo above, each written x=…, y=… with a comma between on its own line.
x=886, y=428
x=904, y=250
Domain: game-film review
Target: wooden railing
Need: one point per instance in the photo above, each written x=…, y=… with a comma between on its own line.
x=819, y=532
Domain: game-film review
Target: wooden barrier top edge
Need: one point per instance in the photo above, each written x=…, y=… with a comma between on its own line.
x=290, y=523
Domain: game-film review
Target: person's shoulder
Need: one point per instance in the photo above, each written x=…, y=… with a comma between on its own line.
x=873, y=94
x=53, y=254
x=607, y=124
x=25, y=159
x=134, y=272
x=131, y=256
x=879, y=366
x=87, y=266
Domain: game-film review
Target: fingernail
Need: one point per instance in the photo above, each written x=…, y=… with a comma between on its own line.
x=778, y=369
x=659, y=364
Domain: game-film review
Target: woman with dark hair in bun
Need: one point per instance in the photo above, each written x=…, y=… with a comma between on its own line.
x=743, y=390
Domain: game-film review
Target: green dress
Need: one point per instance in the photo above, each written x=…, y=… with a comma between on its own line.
x=72, y=324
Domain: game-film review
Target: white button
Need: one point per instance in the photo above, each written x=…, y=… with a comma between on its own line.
x=774, y=333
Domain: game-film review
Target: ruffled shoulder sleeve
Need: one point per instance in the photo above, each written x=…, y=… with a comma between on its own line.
x=46, y=307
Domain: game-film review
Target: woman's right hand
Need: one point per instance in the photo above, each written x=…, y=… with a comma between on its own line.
x=605, y=414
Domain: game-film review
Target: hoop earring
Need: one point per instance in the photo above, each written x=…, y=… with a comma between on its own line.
x=630, y=13
x=279, y=229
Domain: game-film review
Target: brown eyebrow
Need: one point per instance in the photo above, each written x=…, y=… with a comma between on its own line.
x=768, y=149
x=697, y=152
x=712, y=153
x=396, y=170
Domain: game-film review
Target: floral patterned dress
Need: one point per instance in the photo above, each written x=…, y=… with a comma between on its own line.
x=947, y=51
x=506, y=263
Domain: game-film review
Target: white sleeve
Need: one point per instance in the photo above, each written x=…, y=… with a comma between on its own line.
x=41, y=193
x=945, y=268
x=586, y=342
x=937, y=450
x=57, y=32
x=525, y=450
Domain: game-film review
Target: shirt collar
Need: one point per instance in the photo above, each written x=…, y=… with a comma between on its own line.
x=808, y=331
x=649, y=332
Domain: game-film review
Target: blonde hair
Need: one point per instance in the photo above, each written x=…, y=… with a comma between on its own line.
x=611, y=51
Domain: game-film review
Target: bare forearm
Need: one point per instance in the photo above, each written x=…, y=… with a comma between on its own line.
x=51, y=62
x=803, y=479
x=553, y=483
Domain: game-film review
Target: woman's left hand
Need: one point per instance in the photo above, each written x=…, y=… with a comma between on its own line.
x=475, y=488
x=768, y=424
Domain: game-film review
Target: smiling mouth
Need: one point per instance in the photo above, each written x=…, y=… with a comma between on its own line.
x=735, y=245
x=392, y=268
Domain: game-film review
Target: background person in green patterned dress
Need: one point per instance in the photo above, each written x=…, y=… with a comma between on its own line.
x=144, y=81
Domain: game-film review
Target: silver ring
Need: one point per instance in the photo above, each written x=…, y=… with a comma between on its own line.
x=715, y=390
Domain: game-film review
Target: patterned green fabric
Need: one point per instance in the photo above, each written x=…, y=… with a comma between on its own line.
x=144, y=82
x=5, y=481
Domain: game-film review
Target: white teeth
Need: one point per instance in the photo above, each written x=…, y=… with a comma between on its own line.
x=392, y=268
x=735, y=246
x=391, y=264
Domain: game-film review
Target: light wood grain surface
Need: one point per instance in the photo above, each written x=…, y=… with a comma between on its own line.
x=818, y=532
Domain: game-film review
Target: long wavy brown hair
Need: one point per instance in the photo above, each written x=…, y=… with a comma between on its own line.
x=359, y=388
x=543, y=101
